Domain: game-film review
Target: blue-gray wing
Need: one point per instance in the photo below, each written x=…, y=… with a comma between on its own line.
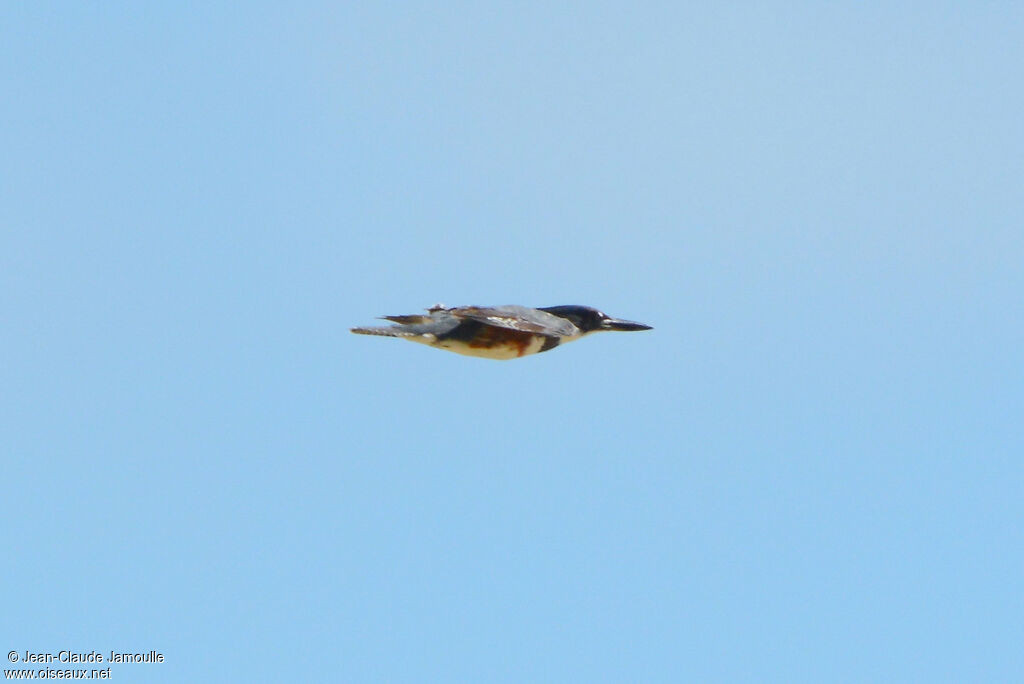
x=517, y=318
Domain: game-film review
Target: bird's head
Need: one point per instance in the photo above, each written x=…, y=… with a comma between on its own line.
x=589, y=319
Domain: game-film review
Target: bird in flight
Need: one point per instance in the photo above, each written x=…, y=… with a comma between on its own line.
x=499, y=332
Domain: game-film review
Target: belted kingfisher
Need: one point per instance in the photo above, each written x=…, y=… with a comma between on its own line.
x=499, y=332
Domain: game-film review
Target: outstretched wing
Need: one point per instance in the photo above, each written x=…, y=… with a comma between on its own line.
x=412, y=319
x=517, y=318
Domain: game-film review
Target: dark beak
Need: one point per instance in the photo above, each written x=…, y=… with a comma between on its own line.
x=617, y=324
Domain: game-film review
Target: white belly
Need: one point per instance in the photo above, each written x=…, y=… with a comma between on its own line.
x=501, y=352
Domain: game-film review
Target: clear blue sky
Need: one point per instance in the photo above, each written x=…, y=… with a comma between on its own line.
x=811, y=470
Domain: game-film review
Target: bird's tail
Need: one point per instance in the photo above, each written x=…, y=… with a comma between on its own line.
x=384, y=331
